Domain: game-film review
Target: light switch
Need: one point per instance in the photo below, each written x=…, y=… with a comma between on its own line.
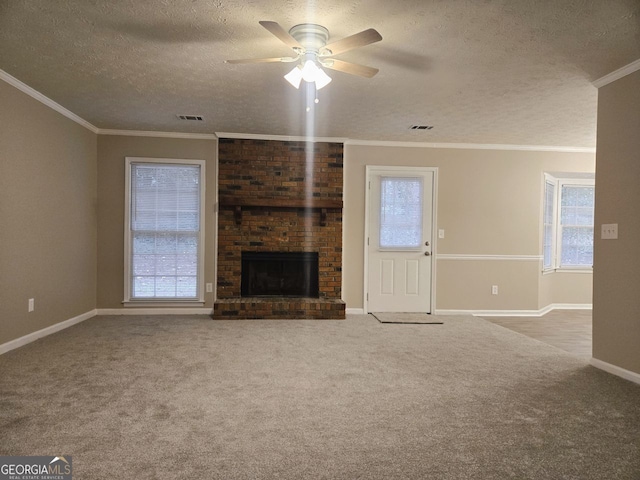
x=441, y=233
x=609, y=231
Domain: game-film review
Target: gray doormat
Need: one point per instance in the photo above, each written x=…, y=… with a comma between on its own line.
x=425, y=318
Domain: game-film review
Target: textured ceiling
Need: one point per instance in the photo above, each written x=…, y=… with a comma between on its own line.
x=492, y=71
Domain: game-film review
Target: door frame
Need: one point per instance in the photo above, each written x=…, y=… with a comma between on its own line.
x=376, y=169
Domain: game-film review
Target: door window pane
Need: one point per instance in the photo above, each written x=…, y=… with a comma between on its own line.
x=400, y=212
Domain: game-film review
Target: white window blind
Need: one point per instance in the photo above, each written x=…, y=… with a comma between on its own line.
x=165, y=231
x=576, y=223
x=400, y=212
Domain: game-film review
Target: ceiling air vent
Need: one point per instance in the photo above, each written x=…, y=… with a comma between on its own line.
x=421, y=127
x=196, y=118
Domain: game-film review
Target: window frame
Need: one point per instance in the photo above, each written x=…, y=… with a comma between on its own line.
x=556, y=245
x=549, y=180
x=128, y=237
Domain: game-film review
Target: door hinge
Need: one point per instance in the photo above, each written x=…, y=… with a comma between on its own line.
x=368, y=241
x=367, y=297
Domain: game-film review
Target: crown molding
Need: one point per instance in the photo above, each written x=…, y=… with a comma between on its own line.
x=282, y=138
x=618, y=74
x=472, y=146
x=142, y=133
x=23, y=87
x=632, y=67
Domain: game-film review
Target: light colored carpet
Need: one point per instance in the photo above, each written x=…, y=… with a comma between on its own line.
x=193, y=398
x=387, y=317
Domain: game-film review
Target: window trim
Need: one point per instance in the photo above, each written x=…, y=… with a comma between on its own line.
x=168, y=302
x=556, y=246
x=548, y=179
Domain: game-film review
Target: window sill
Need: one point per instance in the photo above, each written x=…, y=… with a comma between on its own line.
x=568, y=270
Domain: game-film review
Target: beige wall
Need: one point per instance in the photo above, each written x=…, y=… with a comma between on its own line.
x=47, y=216
x=489, y=203
x=112, y=151
x=616, y=283
x=574, y=288
x=65, y=251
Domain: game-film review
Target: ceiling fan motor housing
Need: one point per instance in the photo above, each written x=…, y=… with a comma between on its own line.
x=311, y=36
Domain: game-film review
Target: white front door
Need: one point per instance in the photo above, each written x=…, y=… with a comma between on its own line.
x=399, y=244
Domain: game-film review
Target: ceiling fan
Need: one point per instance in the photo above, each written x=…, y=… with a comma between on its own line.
x=309, y=43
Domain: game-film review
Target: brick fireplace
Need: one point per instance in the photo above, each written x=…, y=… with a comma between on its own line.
x=279, y=198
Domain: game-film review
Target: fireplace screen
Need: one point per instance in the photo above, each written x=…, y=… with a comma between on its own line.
x=280, y=274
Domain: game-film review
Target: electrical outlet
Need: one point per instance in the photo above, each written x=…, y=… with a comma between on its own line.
x=209, y=287
x=32, y=305
x=494, y=289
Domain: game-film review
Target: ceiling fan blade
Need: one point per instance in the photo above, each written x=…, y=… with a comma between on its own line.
x=361, y=39
x=281, y=33
x=262, y=60
x=351, y=68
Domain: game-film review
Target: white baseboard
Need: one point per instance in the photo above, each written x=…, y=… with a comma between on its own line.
x=32, y=337
x=156, y=311
x=354, y=311
x=517, y=313
x=613, y=369
x=491, y=313
x=568, y=306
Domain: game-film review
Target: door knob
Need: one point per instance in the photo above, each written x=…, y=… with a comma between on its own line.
x=427, y=253
x=426, y=244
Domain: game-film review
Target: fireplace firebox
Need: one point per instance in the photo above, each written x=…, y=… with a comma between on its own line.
x=279, y=274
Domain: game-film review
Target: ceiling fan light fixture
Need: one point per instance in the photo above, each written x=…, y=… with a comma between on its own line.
x=322, y=79
x=294, y=77
x=309, y=72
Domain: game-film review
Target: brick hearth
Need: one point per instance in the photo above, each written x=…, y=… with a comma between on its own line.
x=279, y=196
